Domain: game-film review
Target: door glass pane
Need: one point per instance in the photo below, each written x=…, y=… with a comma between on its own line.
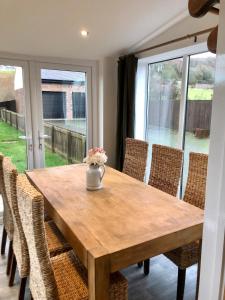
x=199, y=106
x=12, y=115
x=164, y=95
x=64, y=116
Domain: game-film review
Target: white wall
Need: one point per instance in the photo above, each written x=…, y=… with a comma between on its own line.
x=108, y=84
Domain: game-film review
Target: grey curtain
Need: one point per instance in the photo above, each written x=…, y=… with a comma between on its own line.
x=127, y=69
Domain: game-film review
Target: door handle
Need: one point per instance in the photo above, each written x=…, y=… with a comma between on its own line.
x=24, y=137
x=29, y=139
x=42, y=137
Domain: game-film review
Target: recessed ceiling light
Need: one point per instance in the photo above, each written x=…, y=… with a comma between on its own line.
x=84, y=33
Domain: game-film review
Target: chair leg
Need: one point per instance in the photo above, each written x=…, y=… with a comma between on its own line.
x=31, y=297
x=10, y=254
x=22, y=288
x=181, y=283
x=146, y=266
x=4, y=236
x=140, y=264
x=12, y=271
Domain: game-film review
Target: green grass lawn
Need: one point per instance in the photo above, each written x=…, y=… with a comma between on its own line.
x=12, y=146
x=200, y=94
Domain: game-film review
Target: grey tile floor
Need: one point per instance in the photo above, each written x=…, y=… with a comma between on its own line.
x=159, y=285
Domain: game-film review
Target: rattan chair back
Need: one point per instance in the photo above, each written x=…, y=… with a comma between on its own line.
x=31, y=206
x=135, y=158
x=196, y=182
x=7, y=214
x=19, y=242
x=166, y=168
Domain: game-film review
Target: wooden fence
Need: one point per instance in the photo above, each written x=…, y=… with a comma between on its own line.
x=14, y=119
x=166, y=114
x=67, y=143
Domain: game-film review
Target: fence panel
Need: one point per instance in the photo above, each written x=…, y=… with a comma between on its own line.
x=166, y=114
x=48, y=130
x=198, y=115
x=21, y=122
x=61, y=141
x=8, y=116
x=78, y=147
x=14, y=119
x=3, y=114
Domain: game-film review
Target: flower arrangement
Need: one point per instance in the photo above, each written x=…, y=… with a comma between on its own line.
x=96, y=156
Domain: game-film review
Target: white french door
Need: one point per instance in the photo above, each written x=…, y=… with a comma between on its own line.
x=62, y=113
x=45, y=113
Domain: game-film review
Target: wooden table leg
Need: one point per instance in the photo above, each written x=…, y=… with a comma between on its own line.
x=198, y=271
x=98, y=277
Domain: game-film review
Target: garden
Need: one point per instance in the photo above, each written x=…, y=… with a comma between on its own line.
x=12, y=146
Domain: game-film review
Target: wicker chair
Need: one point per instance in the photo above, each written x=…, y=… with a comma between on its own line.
x=7, y=219
x=165, y=174
x=135, y=158
x=189, y=255
x=62, y=276
x=166, y=168
x=20, y=250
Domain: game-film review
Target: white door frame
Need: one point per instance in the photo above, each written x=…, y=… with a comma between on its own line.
x=211, y=280
x=90, y=66
x=27, y=107
x=36, y=101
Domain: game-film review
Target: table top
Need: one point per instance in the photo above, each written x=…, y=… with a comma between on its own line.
x=126, y=219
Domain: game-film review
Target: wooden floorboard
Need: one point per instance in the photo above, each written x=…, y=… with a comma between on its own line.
x=160, y=284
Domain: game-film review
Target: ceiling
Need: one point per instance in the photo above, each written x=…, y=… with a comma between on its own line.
x=52, y=27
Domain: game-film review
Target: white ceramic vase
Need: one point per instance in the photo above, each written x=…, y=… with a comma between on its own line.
x=94, y=177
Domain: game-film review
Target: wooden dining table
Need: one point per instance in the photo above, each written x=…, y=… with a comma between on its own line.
x=121, y=224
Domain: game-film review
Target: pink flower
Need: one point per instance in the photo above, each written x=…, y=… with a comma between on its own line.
x=95, y=150
x=96, y=156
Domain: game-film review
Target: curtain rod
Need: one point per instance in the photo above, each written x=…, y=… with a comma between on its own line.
x=185, y=37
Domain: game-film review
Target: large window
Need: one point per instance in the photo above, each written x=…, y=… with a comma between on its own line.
x=178, y=105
